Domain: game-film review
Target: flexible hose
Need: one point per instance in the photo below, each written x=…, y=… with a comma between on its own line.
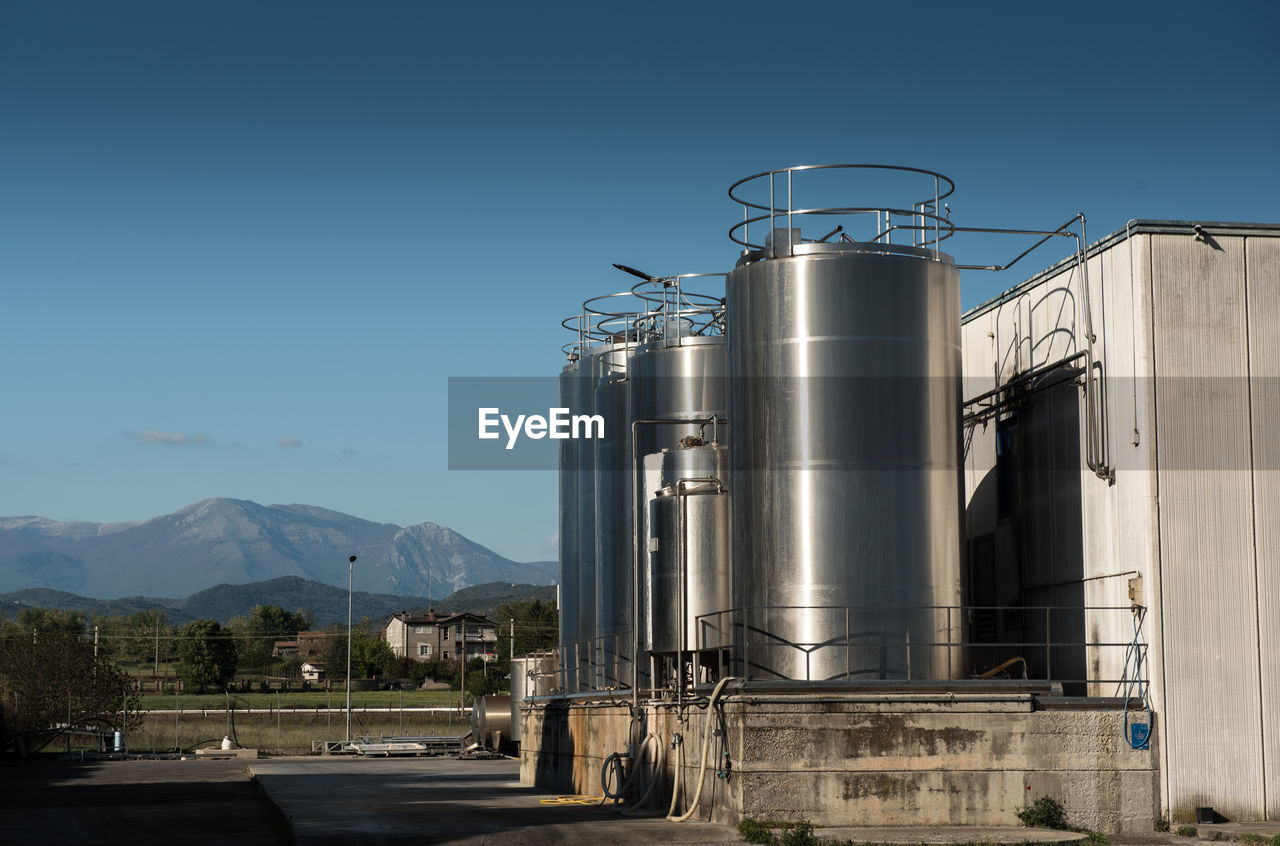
x=702, y=768
x=614, y=764
x=657, y=768
x=675, y=788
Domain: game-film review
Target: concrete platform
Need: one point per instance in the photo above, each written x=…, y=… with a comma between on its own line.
x=436, y=800
x=387, y=801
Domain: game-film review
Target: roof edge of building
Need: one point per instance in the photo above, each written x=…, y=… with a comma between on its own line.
x=1133, y=227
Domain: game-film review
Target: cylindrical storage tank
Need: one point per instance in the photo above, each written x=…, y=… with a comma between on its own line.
x=845, y=406
x=577, y=642
x=569, y=560
x=519, y=692
x=690, y=563
x=613, y=505
x=491, y=720
x=682, y=378
x=533, y=675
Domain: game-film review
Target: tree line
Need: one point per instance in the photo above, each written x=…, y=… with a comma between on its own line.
x=64, y=667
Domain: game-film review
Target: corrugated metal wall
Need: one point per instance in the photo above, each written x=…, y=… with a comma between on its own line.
x=1213, y=716
x=1189, y=332
x=1262, y=270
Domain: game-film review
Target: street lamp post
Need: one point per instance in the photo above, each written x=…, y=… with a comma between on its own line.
x=351, y=567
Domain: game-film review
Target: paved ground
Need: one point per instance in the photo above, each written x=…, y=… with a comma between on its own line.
x=133, y=803
x=441, y=800
x=388, y=802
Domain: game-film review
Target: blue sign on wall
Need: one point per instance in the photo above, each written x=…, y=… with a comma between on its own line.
x=1138, y=734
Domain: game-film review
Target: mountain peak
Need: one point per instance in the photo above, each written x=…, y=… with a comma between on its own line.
x=236, y=541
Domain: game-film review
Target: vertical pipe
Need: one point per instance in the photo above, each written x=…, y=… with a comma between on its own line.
x=791, y=248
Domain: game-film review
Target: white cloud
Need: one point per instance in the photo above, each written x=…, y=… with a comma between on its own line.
x=151, y=436
x=289, y=442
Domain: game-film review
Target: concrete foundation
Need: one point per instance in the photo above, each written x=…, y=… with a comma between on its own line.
x=861, y=759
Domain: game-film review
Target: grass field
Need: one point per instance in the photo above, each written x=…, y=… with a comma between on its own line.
x=285, y=732
x=301, y=699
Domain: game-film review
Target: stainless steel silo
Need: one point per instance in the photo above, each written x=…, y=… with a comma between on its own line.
x=690, y=567
x=578, y=646
x=681, y=378
x=845, y=406
x=613, y=483
x=570, y=579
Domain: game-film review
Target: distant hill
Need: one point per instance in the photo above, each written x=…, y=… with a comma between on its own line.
x=483, y=599
x=231, y=541
x=12, y=603
x=327, y=602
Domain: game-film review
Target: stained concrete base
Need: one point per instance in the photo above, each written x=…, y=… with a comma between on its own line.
x=840, y=759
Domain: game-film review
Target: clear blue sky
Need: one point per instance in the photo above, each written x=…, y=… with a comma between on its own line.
x=243, y=245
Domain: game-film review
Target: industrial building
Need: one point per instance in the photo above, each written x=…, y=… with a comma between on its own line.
x=1177, y=394
x=895, y=564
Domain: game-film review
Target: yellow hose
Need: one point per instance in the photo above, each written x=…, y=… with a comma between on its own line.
x=572, y=800
x=702, y=767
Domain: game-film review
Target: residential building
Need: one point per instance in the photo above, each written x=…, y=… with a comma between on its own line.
x=429, y=637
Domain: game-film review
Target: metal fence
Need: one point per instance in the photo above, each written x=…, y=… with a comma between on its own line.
x=1088, y=650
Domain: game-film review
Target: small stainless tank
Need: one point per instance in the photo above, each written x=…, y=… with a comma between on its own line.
x=491, y=720
x=689, y=552
x=533, y=675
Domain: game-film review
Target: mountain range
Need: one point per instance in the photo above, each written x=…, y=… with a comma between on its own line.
x=328, y=603
x=231, y=541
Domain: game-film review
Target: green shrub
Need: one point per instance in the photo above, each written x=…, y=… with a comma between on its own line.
x=799, y=834
x=754, y=831
x=1187, y=831
x=1162, y=822
x=1218, y=835
x=1045, y=812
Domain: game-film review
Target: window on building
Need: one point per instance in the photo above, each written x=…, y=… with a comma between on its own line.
x=419, y=629
x=424, y=650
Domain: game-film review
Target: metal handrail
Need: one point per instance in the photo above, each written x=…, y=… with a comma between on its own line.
x=743, y=622
x=924, y=213
x=660, y=303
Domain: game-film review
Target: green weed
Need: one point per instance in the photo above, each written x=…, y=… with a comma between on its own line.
x=1045, y=812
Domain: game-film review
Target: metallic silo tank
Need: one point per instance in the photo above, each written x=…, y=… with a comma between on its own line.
x=569, y=559
x=613, y=576
x=845, y=407
x=690, y=568
x=682, y=378
x=578, y=660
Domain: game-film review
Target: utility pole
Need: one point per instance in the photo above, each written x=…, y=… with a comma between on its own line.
x=513, y=638
x=351, y=566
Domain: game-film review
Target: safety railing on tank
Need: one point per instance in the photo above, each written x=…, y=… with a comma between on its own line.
x=676, y=312
x=926, y=218
x=916, y=643
x=658, y=308
x=597, y=664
